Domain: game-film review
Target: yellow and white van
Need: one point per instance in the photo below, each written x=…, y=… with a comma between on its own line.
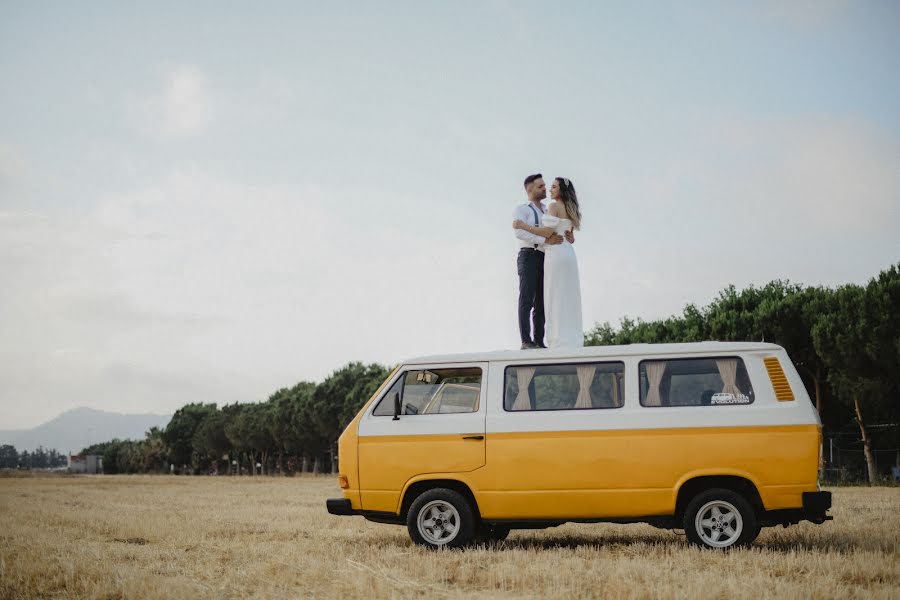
x=719, y=439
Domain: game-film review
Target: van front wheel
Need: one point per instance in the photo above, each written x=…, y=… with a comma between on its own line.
x=720, y=519
x=441, y=518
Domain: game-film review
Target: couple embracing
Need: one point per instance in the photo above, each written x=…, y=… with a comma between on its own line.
x=549, y=288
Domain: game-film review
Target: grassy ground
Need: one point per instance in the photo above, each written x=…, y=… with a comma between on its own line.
x=207, y=537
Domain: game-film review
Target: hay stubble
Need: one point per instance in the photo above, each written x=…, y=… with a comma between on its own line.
x=206, y=537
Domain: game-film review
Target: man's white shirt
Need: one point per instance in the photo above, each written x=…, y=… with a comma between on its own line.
x=524, y=212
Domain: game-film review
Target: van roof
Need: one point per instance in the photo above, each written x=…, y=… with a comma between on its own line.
x=596, y=351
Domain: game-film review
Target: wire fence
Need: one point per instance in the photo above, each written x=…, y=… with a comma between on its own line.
x=844, y=460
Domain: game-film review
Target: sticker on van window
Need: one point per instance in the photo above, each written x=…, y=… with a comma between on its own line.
x=722, y=398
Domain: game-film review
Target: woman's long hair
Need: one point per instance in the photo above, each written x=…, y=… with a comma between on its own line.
x=570, y=200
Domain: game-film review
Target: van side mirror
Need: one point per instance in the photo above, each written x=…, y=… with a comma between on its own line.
x=396, y=406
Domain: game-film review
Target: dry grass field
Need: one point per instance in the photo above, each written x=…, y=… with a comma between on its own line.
x=199, y=537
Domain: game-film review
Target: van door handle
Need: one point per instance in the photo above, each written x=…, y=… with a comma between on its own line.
x=473, y=437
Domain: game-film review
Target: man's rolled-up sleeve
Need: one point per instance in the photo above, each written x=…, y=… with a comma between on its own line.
x=526, y=236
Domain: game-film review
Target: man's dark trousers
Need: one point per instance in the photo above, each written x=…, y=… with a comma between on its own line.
x=531, y=295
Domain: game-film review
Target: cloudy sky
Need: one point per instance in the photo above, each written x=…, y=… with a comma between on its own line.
x=207, y=202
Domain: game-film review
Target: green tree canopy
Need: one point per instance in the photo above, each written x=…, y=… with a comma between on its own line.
x=179, y=433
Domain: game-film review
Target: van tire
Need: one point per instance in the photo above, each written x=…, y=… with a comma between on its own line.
x=720, y=519
x=441, y=518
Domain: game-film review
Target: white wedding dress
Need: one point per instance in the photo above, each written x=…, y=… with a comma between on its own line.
x=562, y=289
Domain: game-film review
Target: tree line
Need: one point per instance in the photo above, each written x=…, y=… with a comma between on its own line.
x=41, y=458
x=294, y=431
x=845, y=342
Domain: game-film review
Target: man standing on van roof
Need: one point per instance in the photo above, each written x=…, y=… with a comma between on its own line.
x=530, y=263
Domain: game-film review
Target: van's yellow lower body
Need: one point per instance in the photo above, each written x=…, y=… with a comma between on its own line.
x=597, y=474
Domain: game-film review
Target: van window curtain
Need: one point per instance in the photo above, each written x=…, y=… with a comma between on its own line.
x=524, y=375
x=655, y=371
x=585, y=377
x=728, y=372
x=617, y=400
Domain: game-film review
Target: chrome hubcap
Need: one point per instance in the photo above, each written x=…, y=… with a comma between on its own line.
x=438, y=522
x=719, y=524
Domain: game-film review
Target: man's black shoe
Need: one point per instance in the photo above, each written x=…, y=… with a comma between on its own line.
x=541, y=345
x=528, y=346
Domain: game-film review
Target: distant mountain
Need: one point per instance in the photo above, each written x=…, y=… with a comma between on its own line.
x=74, y=429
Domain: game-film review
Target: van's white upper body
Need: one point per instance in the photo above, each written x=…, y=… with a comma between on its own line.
x=491, y=416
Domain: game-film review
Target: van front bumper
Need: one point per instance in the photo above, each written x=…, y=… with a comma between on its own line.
x=342, y=507
x=339, y=506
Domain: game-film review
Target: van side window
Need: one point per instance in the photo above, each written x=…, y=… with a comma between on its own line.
x=695, y=382
x=434, y=391
x=579, y=386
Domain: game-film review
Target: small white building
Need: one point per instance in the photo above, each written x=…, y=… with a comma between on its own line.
x=86, y=463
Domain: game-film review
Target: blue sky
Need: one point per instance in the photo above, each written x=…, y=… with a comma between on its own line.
x=208, y=202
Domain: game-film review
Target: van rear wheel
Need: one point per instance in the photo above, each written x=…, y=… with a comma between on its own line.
x=441, y=518
x=720, y=519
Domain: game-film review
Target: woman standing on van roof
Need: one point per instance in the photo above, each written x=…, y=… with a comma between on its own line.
x=562, y=288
